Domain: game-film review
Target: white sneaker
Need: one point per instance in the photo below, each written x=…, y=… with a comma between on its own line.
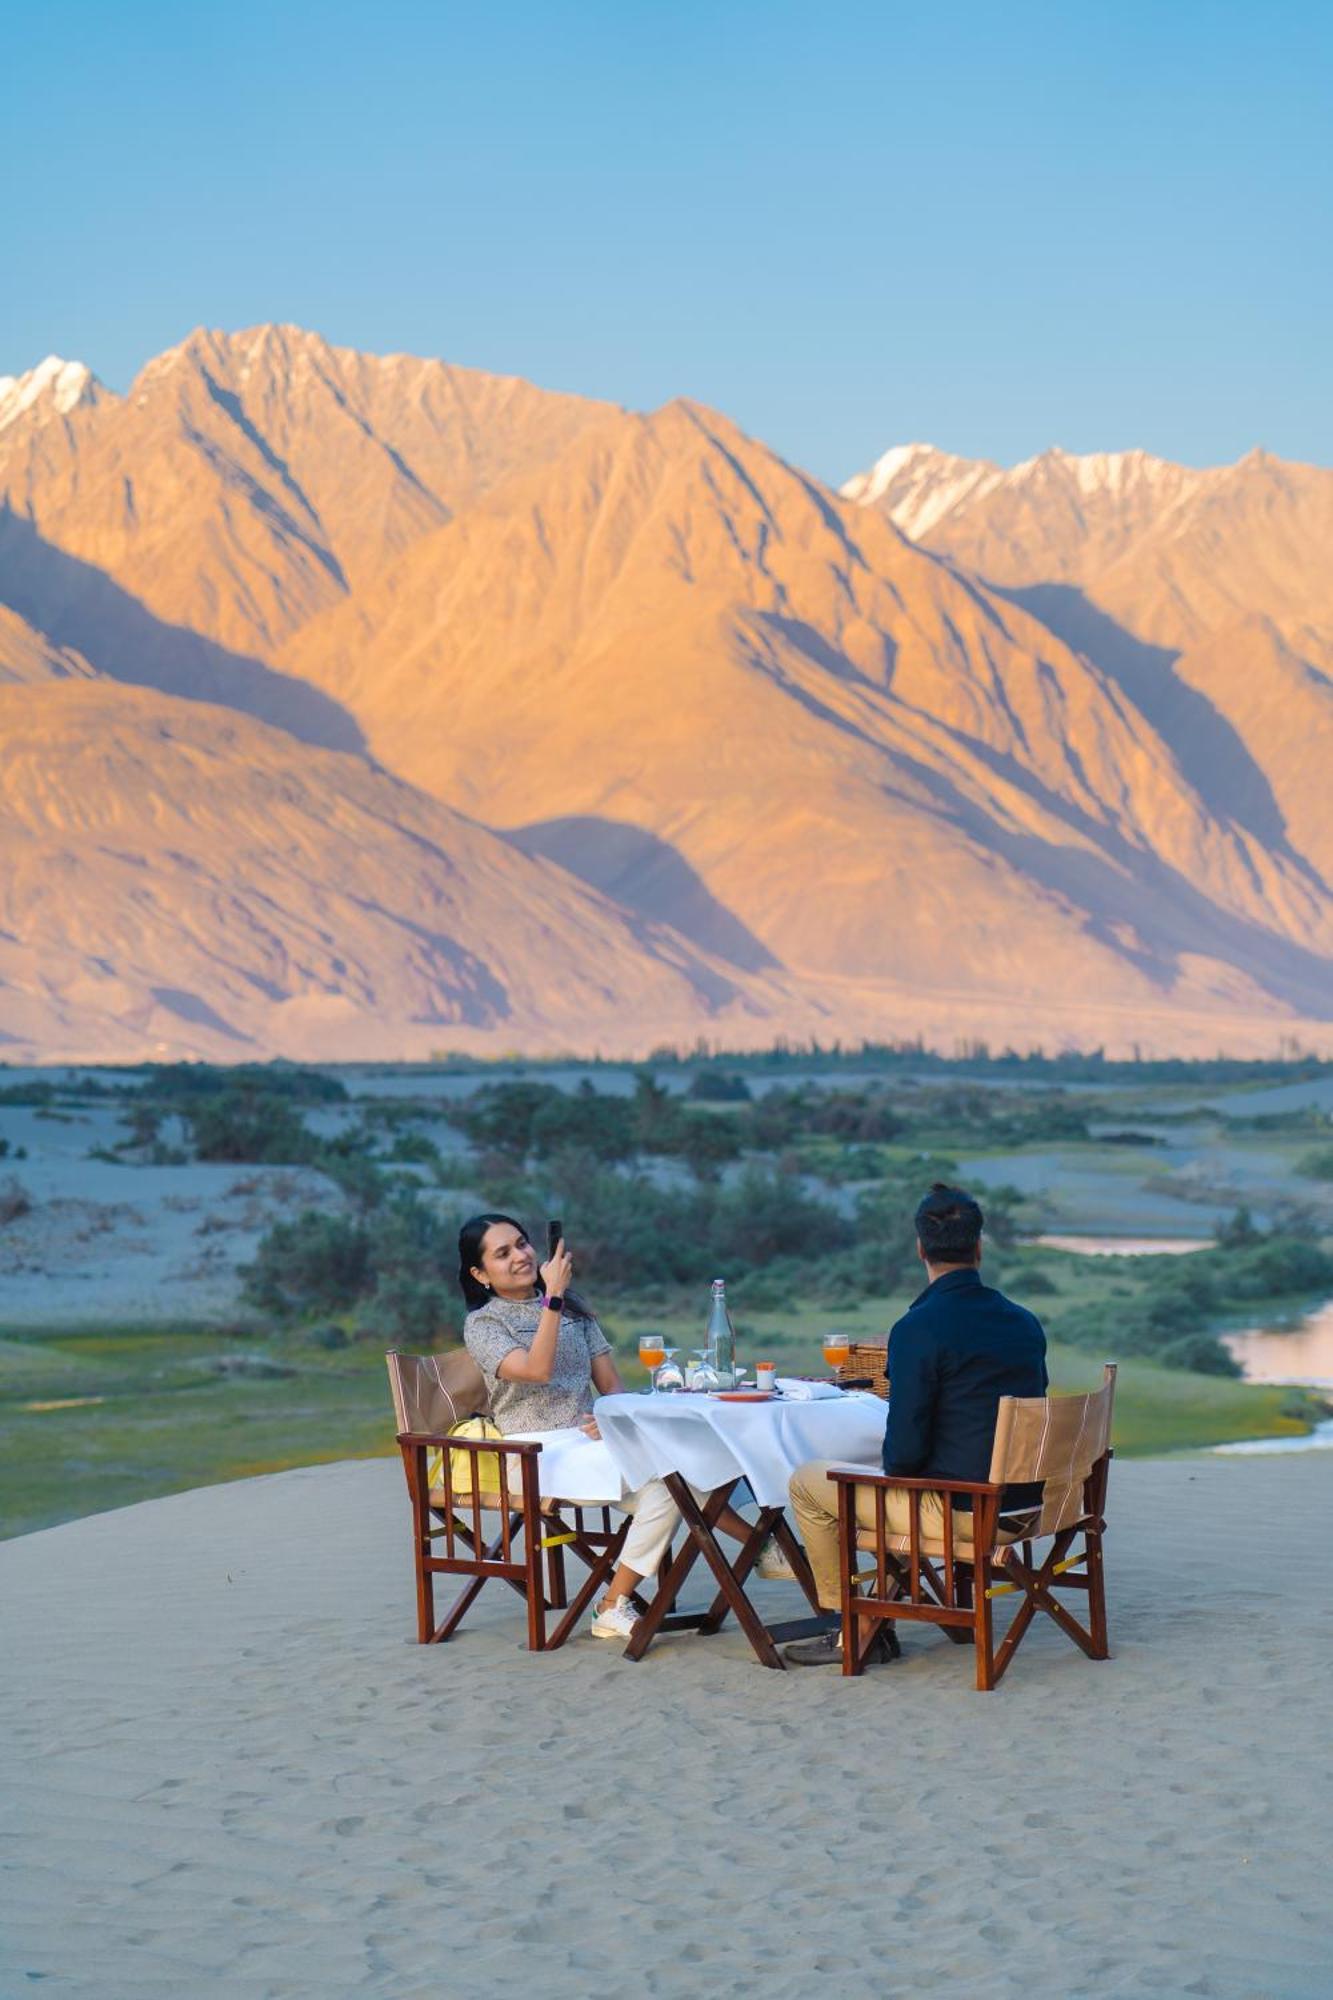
x=773, y=1565
x=615, y=1620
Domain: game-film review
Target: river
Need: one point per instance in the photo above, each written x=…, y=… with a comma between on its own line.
x=1302, y=1354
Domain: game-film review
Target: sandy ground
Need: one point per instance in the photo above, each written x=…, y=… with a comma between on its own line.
x=228, y=1772
x=104, y=1243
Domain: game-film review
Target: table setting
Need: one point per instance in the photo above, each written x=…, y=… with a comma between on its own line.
x=705, y=1429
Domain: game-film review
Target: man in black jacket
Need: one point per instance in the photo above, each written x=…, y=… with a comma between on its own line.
x=957, y=1349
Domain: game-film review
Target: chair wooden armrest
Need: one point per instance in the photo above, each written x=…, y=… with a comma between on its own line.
x=524, y=1448
x=848, y=1476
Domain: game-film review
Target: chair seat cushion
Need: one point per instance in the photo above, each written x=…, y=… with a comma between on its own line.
x=489, y=1503
x=933, y=1545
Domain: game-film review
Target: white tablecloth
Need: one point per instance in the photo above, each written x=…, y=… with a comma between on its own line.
x=712, y=1442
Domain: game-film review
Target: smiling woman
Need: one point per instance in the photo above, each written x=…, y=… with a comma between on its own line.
x=545, y=1360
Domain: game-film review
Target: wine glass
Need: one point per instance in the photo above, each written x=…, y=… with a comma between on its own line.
x=652, y=1353
x=837, y=1348
x=669, y=1376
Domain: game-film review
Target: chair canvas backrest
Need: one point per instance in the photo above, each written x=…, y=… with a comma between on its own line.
x=1057, y=1440
x=433, y=1392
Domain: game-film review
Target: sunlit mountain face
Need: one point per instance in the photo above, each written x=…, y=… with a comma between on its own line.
x=365, y=705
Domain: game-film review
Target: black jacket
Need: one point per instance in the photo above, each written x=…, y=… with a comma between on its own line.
x=957, y=1349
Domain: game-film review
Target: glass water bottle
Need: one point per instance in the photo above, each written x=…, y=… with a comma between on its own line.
x=720, y=1339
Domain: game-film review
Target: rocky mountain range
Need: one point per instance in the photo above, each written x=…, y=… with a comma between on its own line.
x=366, y=705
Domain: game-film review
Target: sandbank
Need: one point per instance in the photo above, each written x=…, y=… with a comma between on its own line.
x=229, y=1772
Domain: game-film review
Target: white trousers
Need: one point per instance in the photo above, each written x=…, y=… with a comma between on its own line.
x=655, y=1520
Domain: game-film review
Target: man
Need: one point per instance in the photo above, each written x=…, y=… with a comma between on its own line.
x=958, y=1348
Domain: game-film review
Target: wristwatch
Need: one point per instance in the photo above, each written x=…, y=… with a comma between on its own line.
x=553, y=1303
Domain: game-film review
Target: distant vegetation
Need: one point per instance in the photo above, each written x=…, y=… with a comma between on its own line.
x=794, y=1191
x=799, y=1191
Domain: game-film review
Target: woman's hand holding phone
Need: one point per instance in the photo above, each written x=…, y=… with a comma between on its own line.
x=557, y=1272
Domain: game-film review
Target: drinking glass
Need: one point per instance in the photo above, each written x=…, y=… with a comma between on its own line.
x=837, y=1348
x=669, y=1376
x=652, y=1353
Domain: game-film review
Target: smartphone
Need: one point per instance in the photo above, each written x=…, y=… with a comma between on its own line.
x=555, y=1229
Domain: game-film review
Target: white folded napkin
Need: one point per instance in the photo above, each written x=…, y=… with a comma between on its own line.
x=796, y=1390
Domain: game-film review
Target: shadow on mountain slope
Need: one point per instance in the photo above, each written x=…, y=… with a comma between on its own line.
x=1132, y=901
x=1202, y=741
x=648, y=878
x=72, y=603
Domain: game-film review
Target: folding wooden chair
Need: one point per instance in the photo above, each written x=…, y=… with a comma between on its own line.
x=479, y=1476
x=946, y=1568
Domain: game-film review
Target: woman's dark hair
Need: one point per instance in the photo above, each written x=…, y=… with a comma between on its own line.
x=949, y=1225
x=470, y=1239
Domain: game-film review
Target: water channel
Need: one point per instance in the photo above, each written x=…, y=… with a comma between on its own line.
x=1300, y=1355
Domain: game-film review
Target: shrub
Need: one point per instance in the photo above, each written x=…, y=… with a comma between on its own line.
x=719, y=1086
x=1238, y=1231
x=1037, y=1285
x=330, y=1338
x=316, y=1263
x=420, y=1312
x=1277, y=1266
x=1202, y=1353
x=176, y=1082
x=415, y=1148
x=585, y=1119
x=14, y=1201
x=238, y=1125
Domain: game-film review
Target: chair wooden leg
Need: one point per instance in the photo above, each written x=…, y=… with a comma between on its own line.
x=983, y=1630
x=1101, y=1647
x=425, y=1601
x=853, y=1659
x=663, y=1572
x=959, y=1635
x=453, y=1617
x=557, y=1595
x=532, y=1560
x=416, y=1463
x=791, y=1547
x=601, y=1563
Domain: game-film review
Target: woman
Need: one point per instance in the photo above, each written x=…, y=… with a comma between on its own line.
x=545, y=1360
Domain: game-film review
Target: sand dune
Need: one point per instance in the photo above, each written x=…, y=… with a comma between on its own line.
x=230, y=1773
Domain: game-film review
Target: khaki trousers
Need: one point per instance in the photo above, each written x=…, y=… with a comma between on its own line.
x=814, y=1501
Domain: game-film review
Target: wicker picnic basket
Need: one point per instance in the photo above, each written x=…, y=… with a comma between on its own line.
x=866, y=1366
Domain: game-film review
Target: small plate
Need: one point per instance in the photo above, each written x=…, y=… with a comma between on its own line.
x=746, y=1395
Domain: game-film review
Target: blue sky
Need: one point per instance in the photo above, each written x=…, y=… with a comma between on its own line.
x=994, y=226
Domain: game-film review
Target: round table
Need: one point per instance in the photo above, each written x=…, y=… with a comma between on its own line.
x=712, y=1442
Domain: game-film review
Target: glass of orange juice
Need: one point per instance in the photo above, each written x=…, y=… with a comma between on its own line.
x=652, y=1353
x=837, y=1348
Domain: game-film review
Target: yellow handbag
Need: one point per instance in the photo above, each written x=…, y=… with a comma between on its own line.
x=466, y=1466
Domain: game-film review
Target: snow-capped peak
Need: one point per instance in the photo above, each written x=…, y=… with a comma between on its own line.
x=56, y=386
x=916, y=485
x=1098, y=471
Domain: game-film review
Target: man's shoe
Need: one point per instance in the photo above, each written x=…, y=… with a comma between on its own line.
x=773, y=1565
x=826, y=1650
x=823, y=1651
x=616, y=1619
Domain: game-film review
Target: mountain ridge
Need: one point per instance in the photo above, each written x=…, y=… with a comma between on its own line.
x=1046, y=759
